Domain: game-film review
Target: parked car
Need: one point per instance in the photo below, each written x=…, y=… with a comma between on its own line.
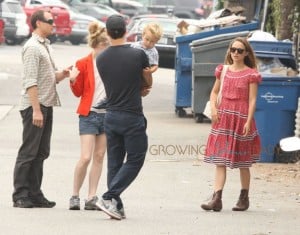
x=2, y=25
x=128, y=7
x=16, y=29
x=166, y=46
x=192, y=9
x=58, y=9
x=133, y=20
x=125, y=7
x=98, y=11
x=80, y=24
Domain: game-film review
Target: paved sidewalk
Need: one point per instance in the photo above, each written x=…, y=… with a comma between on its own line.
x=164, y=200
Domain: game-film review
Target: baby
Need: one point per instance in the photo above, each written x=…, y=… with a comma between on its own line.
x=151, y=35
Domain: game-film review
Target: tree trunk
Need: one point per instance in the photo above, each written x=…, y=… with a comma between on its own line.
x=284, y=29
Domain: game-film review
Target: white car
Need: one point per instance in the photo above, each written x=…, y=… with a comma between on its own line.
x=16, y=28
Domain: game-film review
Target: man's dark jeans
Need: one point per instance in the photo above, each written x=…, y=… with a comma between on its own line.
x=28, y=172
x=126, y=137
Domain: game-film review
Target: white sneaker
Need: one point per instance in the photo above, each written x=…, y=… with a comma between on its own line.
x=91, y=204
x=74, y=203
x=109, y=207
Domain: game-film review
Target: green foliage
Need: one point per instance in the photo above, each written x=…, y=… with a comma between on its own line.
x=296, y=22
x=272, y=17
x=274, y=14
x=220, y=4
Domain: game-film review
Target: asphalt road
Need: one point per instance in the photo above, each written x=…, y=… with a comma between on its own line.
x=166, y=196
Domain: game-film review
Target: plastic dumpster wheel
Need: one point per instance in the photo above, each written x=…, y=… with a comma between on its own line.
x=180, y=112
x=199, y=118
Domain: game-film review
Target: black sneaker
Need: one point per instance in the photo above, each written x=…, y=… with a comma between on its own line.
x=23, y=203
x=42, y=202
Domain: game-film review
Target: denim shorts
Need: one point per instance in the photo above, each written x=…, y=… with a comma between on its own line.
x=91, y=124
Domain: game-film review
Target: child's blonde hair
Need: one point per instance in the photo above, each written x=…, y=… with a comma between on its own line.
x=155, y=29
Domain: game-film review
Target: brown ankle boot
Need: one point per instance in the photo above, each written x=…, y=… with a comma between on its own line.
x=215, y=204
x=243, y=202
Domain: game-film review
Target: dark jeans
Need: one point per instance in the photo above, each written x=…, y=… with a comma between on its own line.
x=126, y=136
x=28, y=172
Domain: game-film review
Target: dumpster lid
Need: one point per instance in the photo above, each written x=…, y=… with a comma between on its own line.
x=218, y=38
x=217, y=30
x=274, y=54
x=280, y=78
x=272, y=46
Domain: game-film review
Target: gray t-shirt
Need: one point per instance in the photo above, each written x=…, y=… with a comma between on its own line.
x=151, y=53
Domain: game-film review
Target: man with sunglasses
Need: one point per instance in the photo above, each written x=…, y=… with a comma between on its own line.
x=38, y=97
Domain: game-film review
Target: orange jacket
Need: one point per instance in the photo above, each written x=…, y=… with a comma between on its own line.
x=84, y=85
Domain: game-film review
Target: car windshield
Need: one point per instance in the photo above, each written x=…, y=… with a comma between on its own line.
x=168, y=26
x=74, y=10
x=12, y=7
x=190, y=3
x=102, y=10
x=49, y=2
x=108, y=9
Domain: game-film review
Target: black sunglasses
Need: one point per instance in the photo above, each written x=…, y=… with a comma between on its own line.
x=239, y=50
x=49, y=21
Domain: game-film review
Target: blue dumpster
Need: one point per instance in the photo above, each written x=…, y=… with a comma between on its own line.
x=277, y=99
x=275, y=114
x=278, y=49
x=183, y=62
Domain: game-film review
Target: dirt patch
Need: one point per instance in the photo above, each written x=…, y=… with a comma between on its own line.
x=286, y=177
x=284, y=174
x=277, y=172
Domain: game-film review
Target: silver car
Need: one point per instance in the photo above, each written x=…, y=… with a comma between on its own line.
x=80, y=23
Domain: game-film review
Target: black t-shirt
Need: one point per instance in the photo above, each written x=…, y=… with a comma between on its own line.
x=121, y=70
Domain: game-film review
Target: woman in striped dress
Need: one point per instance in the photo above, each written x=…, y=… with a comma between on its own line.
x=234, y=141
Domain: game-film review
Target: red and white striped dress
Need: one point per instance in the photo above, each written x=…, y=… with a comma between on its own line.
x=226, y=144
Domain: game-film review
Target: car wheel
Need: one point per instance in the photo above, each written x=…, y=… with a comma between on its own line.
x=20, y=41
x=75, y=41
x=166, y=63
x=52, y=38
x=10, y=42
x=184, y=15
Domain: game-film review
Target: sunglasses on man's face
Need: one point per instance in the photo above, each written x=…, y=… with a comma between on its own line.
x=49, y=21
x=239, y=50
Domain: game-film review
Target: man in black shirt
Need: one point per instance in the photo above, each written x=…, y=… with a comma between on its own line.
x=124, y=71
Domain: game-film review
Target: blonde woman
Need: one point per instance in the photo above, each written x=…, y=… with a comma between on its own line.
x=86, y=83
